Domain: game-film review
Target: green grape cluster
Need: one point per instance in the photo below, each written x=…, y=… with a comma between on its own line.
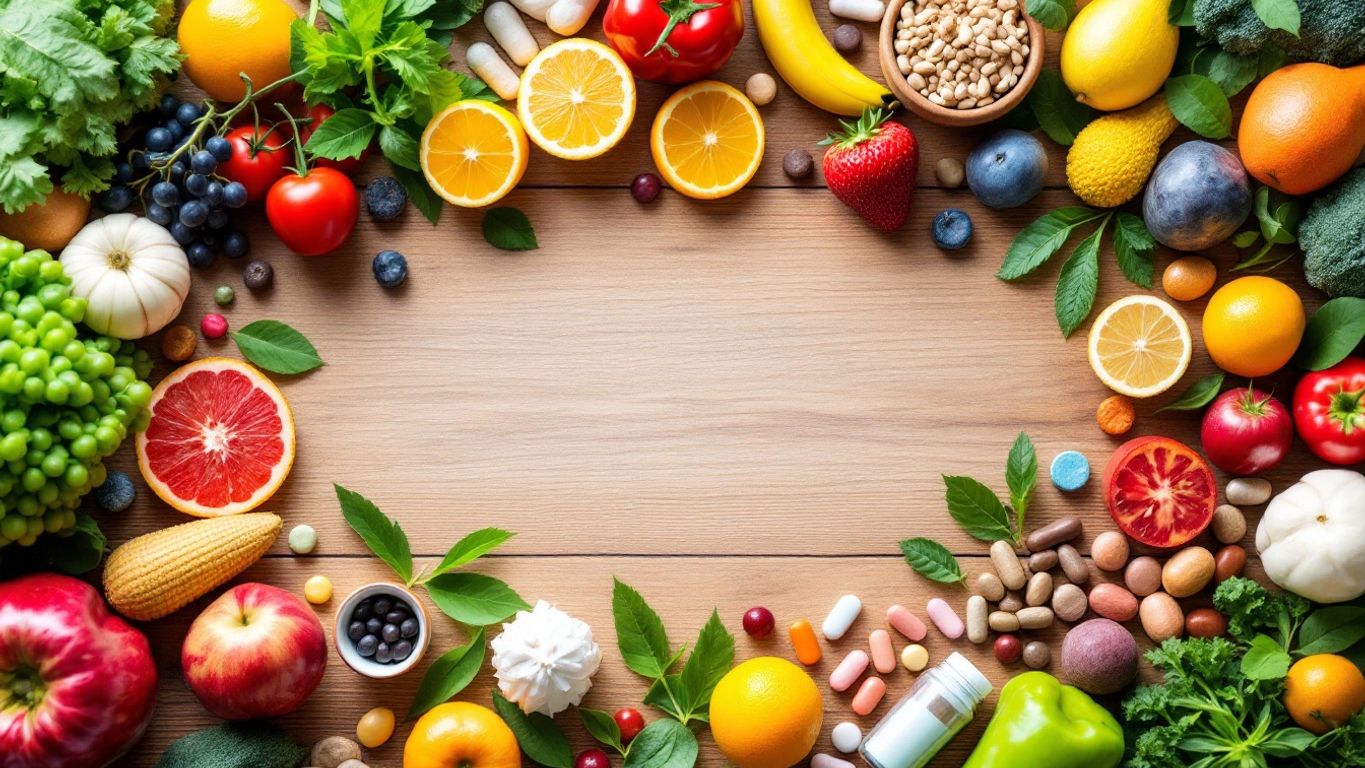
x=67, y=399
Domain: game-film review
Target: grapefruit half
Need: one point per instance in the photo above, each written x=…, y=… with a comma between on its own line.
x=220, y=440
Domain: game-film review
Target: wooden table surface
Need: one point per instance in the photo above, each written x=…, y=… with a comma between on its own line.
x=725, y=404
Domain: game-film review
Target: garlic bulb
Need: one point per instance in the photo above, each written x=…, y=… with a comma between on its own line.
x=545, y=660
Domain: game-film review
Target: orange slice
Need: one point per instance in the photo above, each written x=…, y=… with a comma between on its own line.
x=1140, y=346
x=707, y=140
x=473, y=153
x=577, y=99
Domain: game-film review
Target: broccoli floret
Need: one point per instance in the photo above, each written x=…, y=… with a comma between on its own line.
x=1330, y=31
x=1332, y=236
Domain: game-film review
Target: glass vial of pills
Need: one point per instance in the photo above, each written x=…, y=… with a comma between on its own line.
x=941, y=702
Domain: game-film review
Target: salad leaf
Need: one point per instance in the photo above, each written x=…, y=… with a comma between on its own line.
x=1134, y=247
x=1332, y=629
x=603, y=728
x=1079, y=282
x=1040, y=240
x=1021, y=475
x=640, y=632
x=1059, y=114
x=276, y=347
x=1053, y=14
x=1265, y=659
x=471, y=548
x=1278, y=14
x=663, y=744
x=473, y=598
x=1199, y=104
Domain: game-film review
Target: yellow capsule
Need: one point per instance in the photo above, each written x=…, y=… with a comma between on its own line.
x=375, y=727
x=318, y=590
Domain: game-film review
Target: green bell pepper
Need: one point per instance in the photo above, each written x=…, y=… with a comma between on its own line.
x=1040, y=723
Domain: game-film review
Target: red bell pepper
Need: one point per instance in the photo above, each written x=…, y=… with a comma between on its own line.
x=1329, y=411
x=674, y=41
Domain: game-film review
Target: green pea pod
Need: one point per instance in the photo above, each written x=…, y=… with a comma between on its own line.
x=1040, y=723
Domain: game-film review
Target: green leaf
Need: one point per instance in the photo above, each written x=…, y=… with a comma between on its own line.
x=471, y=548
x=712, y=656
x=1037, y=242
x=1265, y=659
x=383, y=535
x=602, y=727
x=1278, y=14
x=1287, y=742
x=1200, y=394
x=663, y=744
x=1053, y=14
x=399, y=147
x=932, y=560
x=976, y=508
x=1079, y=282
x=1181, y=13
x=662, y=697
x=344, y=135
x=473, y=598
x=509, y=229
x=1331, y=630
x=363, y=18
x=1134, y=247
x=80, y=551
x=1246, y=239
x=1199, y=104
x=419, y=192
x=639, y=632
x=1279, y=215
x=1333, y=332
x=276, y=347
x=450, y=674
x=1021, y=475
x=540, y=737
x=1231, y=72
x=1059, y=114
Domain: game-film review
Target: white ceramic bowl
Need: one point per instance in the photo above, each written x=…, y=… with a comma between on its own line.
x=369, y=667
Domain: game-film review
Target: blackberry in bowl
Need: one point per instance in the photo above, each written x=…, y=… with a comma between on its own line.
x=382, y=630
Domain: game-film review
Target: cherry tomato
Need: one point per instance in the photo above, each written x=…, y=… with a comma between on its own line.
x=592, y=758
x=257, y=161
x=319, y=114
x=630, y=721
x=314, y=212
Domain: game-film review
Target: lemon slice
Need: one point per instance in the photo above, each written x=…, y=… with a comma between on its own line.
x=473, y=153
x=577, y=99
x=1140, y=346
x=707, y=140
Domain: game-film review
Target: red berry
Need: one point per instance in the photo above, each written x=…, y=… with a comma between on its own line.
x=592, y=758
x=759, y=622
x=646, y=188
x=214, y=326
x=631, y=722
x=1008, y=649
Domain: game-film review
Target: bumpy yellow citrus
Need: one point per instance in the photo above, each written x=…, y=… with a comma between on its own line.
x=1252, y=326
x=766, y=713
x=224, y=38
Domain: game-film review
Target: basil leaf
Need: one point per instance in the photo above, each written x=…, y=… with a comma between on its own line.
x=1333, y=332
x=1200, y=394
x=539, y=737
x=1278, y=14
x=276, y=347
x=602, y=727
x=932, y=560
x=1231, y=72
x=976, y=508
x=639, y=632
x=344, y=135
x=1021, y=475
x=1053, y=14
x=1134, y=246
x=1042, y=238
x=1265, y=660
x=1181, y=13
x=419, y=192
x=1332, y=629
x=509, y=229
x=1059, y=114
x=1078, y=283
x=383, y=535
x=471, y=548
x=450, y=674
x=399, y=147
x=663, y=744
x=712, y=656
x=1199, y=104
x=473, y=598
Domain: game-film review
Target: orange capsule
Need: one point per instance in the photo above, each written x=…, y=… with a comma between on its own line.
x=804, y=641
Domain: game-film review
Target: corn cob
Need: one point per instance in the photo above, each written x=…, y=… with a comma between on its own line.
x=157, y=574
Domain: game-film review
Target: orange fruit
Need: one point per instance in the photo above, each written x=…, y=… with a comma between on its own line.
x=1188, y=277
x=1323, y=691
x=1252, y=326
x=1139, y=346
x=220, y=440
x=49, y=225
x=1303, y=126
x=766, y=713
x=473, y=153
x=577, y=99
x=461, y=735
x=223, y=39
x=707, y=140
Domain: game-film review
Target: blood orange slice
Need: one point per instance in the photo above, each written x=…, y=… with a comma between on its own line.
x=220, y=440
x=1159, y=491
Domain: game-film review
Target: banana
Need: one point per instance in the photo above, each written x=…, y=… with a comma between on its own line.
x=802, y=55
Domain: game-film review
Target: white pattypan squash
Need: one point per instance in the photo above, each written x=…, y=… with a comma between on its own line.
x=545, y=660
x=1312, y=536
x=131, y=272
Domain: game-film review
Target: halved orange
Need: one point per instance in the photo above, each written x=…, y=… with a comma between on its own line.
x=473, y=153
x=220, y=440
x=1140, y=346
x=707, y=140
x=577, y=99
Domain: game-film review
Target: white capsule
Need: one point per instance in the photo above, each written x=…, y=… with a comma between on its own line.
x=566, y=17
x=861, y=10
x=506, y=27
x=490, y=68
x=534, y=8
x=841, y=617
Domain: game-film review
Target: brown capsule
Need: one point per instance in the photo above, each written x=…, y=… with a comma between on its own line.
x=1003, y=621
x=1143, y=576
x=1039, y=589
x=1037, y=617
x=1007, y=565
x=1073, y=565
x=1229, y=562
x=1045, y=560
x=1054, y=533
x=1205, y=622
x=989, y=586
x=1012, y=602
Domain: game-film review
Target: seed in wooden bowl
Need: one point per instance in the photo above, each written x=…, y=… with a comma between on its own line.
x=961, y=54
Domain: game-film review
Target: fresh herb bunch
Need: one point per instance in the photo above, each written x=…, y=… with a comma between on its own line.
x=392, y=54
x=982, y=515
x=1278, y=216
x=72, y=72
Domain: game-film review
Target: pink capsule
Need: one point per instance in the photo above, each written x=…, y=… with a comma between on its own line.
x=849, y=670
x=906, y=623
x=945, y=618
x=869, y=695
x=883, y=653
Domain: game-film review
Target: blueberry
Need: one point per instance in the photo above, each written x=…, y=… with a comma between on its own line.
x=258, y=275
x=196, y=184
x=116, y=493
x=175, y=129
x=952, y=229
x=385, y=198
x=234, y=194
x=211, y=240
x=219, y=218
x=383, y=605
x=409, y=628
x=165, y=193
x=169, y=103
x=183, y=234
x=123, y=172
x=235, y=245
x=187, y=113
x=1007, y=169
x=116, y=199
x=199, y=255
x=367, y=645
x=390, y=633
x=220, y=148
x=373, y=625
x=363, y=610
x=355, y=630
x=203, y=162
x=193, y=213
x=160, y=214
x=177, y=173
x=159, y=139
x=401, y=650
x=213, y=193
x=390, y=268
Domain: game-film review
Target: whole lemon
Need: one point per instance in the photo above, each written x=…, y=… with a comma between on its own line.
x=1117, y=53
x=766, y=713
x=1252, y=326
x=222, y=39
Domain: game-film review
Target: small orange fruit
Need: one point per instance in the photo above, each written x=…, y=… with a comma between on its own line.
x=1252, y=326
x=1189, y=277
x=766, y=713
x=1323, y=691
x=461, y=735
x=222, y=39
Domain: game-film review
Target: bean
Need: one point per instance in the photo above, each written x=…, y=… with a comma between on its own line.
x=1039, y=589
x=849, y=670
x=1037, y=617
x=1056, y=532
x=1012, y=602
x=1037, y=654
x=797, y=164
x=493, y=70
x=1161, y=617
x=1229, y=524
x=1190, y=570
x=948, y=170
x=1003, y=621
x=1205, y=622
x=510, y=32
x=1069, y=602
x=1143, y=576
x=1073, y=565
x=841, y=617
x=945, y=618
x=1042, y=561
x=1248, y=491
x=1110, y=551
x=1007, y=565
x=977, y=627
x=903, y=621
x=989, y=586
x=848, y=38
x=1229, y=562
x=1113, y=602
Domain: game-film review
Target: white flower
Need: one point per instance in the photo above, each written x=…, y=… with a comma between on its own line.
x=545, y=660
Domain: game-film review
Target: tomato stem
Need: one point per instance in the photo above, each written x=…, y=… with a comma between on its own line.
x=679, y=12
x=1345, y=408
x=299, y=157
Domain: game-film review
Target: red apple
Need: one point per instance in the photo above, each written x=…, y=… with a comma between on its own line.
x=257, y=651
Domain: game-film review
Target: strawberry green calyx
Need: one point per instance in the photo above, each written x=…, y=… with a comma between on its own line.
x=860, y=131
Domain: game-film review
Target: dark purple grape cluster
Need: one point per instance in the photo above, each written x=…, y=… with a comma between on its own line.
x=170, y=168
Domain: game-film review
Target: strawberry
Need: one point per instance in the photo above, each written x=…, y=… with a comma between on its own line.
x=870, y=166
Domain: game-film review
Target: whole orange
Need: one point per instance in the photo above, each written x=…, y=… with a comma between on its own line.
x=1252, y=326
x=1323, y=691
x=766, y=713
x=222, y=39
x=461, y=735
x=1188, y=277
x=1303, y=126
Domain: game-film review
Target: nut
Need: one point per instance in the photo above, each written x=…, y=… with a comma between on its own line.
x=178, y=343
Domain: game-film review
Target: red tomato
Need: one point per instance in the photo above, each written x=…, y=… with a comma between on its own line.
x=257, y=160
x=1246, y=431
x=313, y=213
x=631, y=722
x=1159, y=491
x=1329, y=410
x=674, y=41
x=319, y=114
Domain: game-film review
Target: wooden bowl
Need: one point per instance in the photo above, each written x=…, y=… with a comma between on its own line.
x=934, y=113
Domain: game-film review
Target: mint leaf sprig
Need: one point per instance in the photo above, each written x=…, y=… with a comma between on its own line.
x=933, y=561
x=980, y=512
